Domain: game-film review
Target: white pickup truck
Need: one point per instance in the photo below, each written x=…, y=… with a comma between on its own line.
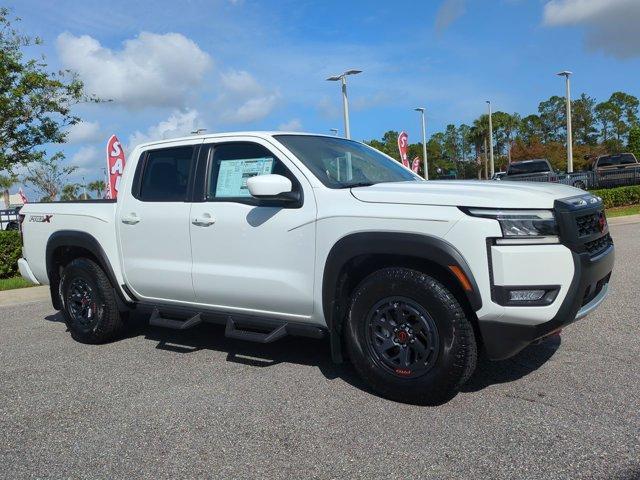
x=275, y=234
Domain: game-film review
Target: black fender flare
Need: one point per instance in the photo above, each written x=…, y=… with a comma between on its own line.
x=420, y=246
x=77, y=238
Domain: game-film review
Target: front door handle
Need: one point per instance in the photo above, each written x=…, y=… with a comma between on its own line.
x=130, y=219
x=205, y=220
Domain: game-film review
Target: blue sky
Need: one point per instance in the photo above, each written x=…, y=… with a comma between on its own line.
x=247, y=64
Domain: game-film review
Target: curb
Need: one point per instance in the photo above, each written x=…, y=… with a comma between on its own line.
x=624, y=220
x=24, y=295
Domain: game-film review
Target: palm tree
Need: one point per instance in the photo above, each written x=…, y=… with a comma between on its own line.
x=6, y=182
x=70, y=191
x=98, y=187
x=479, y=135
x=510, y=126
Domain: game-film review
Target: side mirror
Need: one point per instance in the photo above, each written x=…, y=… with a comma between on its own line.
x=272, y=187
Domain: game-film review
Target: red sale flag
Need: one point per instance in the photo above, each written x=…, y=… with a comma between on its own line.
x=23, y=197
x=403, y=146
x=115, y=166
x=415, y=165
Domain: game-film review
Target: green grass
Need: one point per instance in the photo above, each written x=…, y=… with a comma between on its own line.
x=621, y=211
x=15, y=282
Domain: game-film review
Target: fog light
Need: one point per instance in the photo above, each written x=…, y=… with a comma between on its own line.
x=526, y=295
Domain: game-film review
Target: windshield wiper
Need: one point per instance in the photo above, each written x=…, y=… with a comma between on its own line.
x=358, y=184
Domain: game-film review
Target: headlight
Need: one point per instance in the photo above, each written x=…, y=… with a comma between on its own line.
x=522, y=224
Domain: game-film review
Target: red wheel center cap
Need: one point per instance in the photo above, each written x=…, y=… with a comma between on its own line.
x=402, y=336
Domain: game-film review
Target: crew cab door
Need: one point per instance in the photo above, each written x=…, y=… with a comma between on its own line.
x=249, y=256
x=153, y=222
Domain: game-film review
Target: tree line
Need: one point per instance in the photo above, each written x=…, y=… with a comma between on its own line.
x=611, y=126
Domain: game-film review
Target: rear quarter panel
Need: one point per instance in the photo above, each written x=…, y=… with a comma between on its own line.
x=44, y=219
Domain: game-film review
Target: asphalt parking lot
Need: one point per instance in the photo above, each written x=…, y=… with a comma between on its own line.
x=164, y=404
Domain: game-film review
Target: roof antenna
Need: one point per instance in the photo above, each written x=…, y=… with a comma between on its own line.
x=199, y=131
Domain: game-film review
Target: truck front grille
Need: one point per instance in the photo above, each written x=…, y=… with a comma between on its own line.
x=583, y=225
x=599, y=245
x=587, y=224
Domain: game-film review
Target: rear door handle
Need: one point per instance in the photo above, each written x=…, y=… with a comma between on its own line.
x=131, y=219
x=205, y=220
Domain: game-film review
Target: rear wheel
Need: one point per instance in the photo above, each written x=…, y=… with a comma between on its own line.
x=409, y=338
x=89, y=305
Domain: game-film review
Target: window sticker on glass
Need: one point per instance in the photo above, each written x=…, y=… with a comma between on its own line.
x=233, y=175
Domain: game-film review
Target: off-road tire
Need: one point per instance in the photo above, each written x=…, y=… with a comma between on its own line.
x=106, y=323
x=456, y=355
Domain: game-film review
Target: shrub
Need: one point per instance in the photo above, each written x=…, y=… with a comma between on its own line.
x=620, y=196
x=10, y=252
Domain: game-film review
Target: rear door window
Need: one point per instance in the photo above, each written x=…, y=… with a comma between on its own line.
x=165, y=175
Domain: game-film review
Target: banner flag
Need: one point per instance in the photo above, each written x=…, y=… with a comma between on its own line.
x=22, y=196
x=415, y=165
x=403, y=146
x=115, y=166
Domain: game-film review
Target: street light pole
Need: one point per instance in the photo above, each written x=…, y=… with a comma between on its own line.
x=567, y=74
x=424, y=142
x=345, y=101
x=345, y=108
x=492, y=170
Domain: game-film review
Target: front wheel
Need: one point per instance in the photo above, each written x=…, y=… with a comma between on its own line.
x=579, y=184
x=89, y=304
x=409, y=338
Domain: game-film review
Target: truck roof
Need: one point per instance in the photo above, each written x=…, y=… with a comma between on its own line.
x=254, y=133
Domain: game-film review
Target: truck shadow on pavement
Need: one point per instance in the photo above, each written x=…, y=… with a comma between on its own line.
x=311, y=352
x=504, y=371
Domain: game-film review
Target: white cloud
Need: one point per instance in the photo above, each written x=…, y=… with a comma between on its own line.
x=150, y=70
x=610, y=25
x=243, y=99
x=88, y=161
x=293, y=125
x=85, y=157
x=179, y=123
x=449, y=12
x=84, y=132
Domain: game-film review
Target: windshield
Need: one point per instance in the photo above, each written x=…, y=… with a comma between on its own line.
x=341, y=163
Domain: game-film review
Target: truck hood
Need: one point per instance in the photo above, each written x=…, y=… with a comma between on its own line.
x=467, y=193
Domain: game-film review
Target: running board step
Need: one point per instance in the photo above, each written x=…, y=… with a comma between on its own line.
x=233, y=331
x=158, y=321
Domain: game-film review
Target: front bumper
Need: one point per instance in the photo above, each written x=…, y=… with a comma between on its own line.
x=588, y=289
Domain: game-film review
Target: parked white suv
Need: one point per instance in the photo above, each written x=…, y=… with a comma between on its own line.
x=277, y=234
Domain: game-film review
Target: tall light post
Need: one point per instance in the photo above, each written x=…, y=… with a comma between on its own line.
x=345, y=102
x=490, y=140
x=424, y=142
x=567, y=74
